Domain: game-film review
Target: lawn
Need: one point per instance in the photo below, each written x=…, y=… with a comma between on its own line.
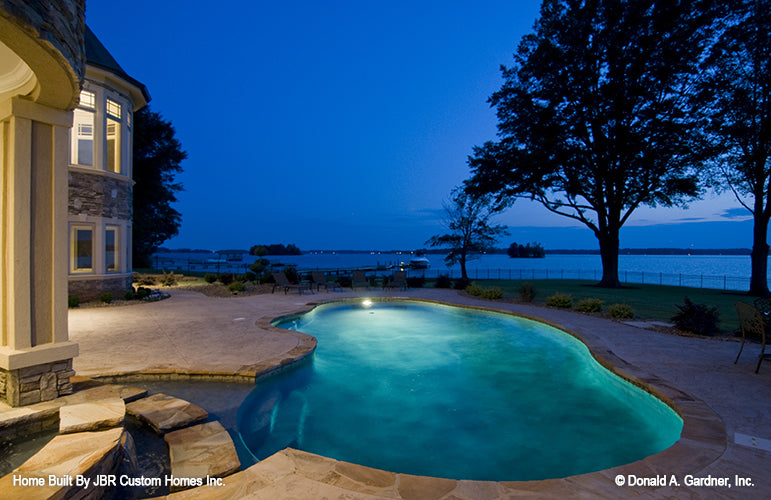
x=654, y=302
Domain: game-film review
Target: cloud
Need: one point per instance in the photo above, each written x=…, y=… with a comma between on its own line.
x=735, y=213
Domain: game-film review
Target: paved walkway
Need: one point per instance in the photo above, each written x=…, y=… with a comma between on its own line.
x=191, y=333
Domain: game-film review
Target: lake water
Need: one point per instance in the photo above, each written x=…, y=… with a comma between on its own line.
x=707, y=271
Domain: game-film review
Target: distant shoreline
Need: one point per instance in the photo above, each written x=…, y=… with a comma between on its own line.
x=622, y=251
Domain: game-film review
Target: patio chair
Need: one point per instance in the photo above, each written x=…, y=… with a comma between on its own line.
x=359, y=279
x=752, y=324
x=398, y=280
x=281, y=281
x=320, y=280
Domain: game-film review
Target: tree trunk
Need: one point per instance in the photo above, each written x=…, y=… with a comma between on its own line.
x=759, y=256
x=463, y=273
x=609, y=242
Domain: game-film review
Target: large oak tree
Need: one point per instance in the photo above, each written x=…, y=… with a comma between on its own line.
x=735, y=103
x=592, y=114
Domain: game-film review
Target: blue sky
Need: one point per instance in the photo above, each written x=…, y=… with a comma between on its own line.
x=345, y=124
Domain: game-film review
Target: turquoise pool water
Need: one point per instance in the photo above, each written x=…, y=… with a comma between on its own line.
x=444, y=391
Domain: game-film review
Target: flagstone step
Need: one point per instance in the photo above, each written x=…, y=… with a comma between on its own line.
x=91, y=416
x=166, y=413
x=201, y=451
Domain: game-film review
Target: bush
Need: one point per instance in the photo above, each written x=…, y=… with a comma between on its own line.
x=237, y=286
x=169, y=279
x=474, y=289
x=345, y=281
x=589, y=305
x=73, y=301
x=696, y=318
x=416, y=282
x=527, y=292
x=106, y=297
x=291, y=274
x=443, y=281
x=144, y=279
x=210, y=277
x=461, y=284
x=620, y=311
x=560, y=300
x=226, y=278
x=143, y=293
x=493, y=293
x=130, y=295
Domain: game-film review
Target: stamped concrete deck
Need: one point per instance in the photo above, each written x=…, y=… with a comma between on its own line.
x=723, y=404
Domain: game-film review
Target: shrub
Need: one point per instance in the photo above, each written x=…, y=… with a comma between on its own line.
x=620, y=311
x=143, y=293
x=696, y=318
x=474, y=289
x=416, y=281
x=210, y=277
x=560, y=300
x=226, y=278
x=527, y=292
x=237, y=286
x=461, y=284
x=73, y=301
x=589, y=305
x=169, y=279
x=492, y=293
x=291, y=274
x=106, y=297
x=443, y=281
x=345, y=281
x=144, y=279
x=130, y=295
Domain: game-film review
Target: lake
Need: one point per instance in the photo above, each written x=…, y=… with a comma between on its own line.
x=706, y=271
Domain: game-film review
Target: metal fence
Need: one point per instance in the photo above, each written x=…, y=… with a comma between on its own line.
x=638, y=277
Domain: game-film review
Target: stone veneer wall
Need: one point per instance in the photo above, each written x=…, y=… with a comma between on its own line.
x=98, y=195
x=58, y=22
x=34, y=384
x=92, y=289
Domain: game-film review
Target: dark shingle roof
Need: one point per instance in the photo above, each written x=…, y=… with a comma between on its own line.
x=97, y=55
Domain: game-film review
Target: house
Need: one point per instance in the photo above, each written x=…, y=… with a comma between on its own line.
x=99, y=176
x=65, y=199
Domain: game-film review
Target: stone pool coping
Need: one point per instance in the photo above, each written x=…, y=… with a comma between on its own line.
x=291, y=473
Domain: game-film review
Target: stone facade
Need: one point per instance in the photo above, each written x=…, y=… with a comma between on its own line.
x=91, y=289
x=99, y=195
x=59, y=23
x=37, y=383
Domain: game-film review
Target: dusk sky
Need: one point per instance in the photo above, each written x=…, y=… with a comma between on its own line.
x=346, y=124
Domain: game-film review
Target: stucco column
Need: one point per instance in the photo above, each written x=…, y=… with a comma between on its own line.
x=35, y=353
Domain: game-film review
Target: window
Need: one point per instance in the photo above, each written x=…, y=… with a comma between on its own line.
x=87, y=99
x=111, y=248
x=82, y=145
x=113, y=146
x=113, y=108
x=82, y=249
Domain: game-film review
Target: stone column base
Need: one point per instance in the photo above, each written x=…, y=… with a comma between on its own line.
x=34, y=384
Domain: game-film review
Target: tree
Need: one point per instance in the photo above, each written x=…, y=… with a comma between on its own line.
x=591, y=116
x=734, y=100
x=157, y=158
x=468, y=220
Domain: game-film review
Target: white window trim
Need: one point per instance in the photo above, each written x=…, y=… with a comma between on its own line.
x=73, y=248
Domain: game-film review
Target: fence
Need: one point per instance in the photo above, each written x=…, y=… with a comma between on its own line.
x=636, y=277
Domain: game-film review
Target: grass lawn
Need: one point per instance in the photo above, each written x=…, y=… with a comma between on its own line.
x=654, y=302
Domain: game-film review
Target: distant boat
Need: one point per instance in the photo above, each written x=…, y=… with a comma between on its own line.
x=419, y=263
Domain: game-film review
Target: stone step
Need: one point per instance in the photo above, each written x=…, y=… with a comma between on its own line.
x=201, y=451
x=65, y=458
x=166, y=413
x=91, y=416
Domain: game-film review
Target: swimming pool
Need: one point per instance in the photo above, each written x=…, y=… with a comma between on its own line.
x=453, y=392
